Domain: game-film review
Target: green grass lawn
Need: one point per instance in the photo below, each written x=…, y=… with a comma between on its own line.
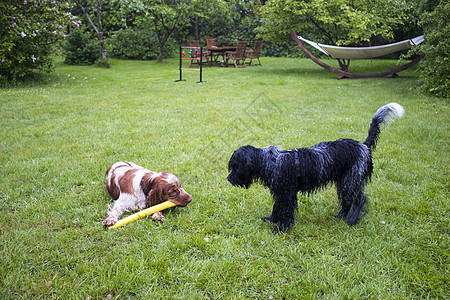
x=59, y=136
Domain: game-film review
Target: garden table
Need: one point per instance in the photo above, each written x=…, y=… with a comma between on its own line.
x=221, y=51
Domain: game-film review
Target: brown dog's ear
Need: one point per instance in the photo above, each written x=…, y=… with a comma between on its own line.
x=155, y=196
x=146, y=184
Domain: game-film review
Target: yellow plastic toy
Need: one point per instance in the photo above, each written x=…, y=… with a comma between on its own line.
x=142, y=213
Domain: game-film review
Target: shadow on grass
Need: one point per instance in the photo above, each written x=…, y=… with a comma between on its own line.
x=357, y=66
x=34, y=80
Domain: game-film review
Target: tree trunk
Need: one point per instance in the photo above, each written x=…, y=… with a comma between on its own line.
x=344, y=65
x=102, y=44
x=99, y=29
x=196, y=25
x=162, y=42
x=160, y=52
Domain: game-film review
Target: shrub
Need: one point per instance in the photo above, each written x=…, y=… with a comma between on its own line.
x=288, y=49
x=28, y=32
x=80, y=49
x=137, y=44
x=435, y=68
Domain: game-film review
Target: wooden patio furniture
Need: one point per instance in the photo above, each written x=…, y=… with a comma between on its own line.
x=238, y=56
x=254, y=54
x=210, y=44
x=354, y=54
x=205, y=56
x=193, y=43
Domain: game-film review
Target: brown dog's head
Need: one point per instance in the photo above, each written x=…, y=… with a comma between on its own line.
x=161, y=187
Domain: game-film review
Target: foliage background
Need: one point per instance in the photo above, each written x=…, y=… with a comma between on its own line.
x=132, y=28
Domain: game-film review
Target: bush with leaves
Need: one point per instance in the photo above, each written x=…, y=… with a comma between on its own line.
x=28, y=31
x=435, y=68
x=80, y=49
x=137, y=44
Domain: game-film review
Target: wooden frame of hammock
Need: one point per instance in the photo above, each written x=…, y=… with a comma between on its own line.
x=391, y=73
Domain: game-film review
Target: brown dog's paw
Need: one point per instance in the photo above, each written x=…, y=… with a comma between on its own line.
x=109, y=222
x=158, y=216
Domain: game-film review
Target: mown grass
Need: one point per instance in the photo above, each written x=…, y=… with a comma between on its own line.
x=59, y=136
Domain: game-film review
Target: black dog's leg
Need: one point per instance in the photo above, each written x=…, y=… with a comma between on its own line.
x=350, y=191
x=283, y=212
x=345, y=199
x=360, y=200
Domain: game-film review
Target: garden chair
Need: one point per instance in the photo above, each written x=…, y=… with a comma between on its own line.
x=238, y=55
x=196, y=60
x=211, y=43
x=254, y=54
x=193, y=43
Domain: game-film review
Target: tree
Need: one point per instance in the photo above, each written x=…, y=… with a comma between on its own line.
x=215, y=19
x=206, y=10
x=28, y=31
x=166, y=17
x=95, y=10
x=336, y=22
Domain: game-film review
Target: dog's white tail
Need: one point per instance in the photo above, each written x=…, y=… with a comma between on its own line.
x=384, y=115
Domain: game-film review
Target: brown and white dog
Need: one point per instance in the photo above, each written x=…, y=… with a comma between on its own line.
x=133, y=187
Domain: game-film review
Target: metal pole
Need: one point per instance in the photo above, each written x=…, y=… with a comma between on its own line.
x=201, y=63
x=181, y=65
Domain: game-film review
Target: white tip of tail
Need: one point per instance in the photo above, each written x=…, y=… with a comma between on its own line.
x=396, y=109
x=390, y=111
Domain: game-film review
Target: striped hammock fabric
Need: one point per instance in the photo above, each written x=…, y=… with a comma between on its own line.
x=364, y=52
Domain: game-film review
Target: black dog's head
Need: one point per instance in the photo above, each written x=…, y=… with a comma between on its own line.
x=242, y=166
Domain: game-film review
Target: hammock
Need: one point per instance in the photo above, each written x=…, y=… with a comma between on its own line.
x=358, y=53
x=364, y=52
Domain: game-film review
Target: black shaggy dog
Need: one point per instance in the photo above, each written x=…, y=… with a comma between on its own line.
x=346, y=163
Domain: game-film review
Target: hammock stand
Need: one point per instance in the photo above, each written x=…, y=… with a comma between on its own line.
x=343, y=74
